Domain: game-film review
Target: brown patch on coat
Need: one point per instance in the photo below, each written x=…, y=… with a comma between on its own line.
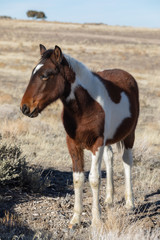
x=83, y=119
x=77, y=155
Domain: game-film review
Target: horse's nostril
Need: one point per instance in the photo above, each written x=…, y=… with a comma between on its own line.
x=25, y=109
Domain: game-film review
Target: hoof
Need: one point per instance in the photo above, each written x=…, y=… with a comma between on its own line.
x=75, y=222
x=109, y=201
x=130, y=206
x=96, y=223
x=108, y=205
x=73, y=226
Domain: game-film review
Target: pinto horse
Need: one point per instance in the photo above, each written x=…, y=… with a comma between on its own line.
x=99, y=109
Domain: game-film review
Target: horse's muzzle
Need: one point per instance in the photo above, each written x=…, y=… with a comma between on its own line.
x=26, y=111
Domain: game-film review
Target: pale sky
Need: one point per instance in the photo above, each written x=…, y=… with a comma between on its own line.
x=138, y=13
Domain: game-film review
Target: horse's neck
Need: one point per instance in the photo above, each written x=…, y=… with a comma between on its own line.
x=88, y=81
x=80, y=70
x=83, y=76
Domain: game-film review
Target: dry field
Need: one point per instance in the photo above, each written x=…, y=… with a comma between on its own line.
x=45, y=213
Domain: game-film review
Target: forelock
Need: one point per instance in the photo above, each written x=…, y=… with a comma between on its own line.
x=46, y=55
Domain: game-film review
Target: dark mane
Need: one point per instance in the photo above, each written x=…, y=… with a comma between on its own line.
x=46, y=55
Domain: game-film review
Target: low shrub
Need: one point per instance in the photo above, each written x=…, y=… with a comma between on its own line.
x=12, y=165
x=14, y=171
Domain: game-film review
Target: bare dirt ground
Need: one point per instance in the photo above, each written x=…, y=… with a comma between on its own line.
x=45, y=214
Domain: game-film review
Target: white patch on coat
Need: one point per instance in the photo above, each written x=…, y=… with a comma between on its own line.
x=73, y=87
x=37, y=68
x=115, y=113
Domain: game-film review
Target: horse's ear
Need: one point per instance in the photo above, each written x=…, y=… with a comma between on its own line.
x=58, y=54
x=42, y=49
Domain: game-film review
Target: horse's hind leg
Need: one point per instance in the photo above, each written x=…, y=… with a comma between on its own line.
x=95, y=179
x=108, y=159
x=127, y=163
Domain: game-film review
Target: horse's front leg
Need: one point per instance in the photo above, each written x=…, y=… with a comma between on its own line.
x=95, y=179
x=78, y=180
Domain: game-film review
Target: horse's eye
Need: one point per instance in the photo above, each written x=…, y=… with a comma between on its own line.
x=44, y=78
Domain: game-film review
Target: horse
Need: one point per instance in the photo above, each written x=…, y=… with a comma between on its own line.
x=99, y=109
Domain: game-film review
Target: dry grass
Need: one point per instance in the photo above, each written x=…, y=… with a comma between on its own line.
x=42, y=140
x=121, y=225
x=133, y=233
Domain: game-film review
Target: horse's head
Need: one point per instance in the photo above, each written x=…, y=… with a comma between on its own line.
x=49, y=81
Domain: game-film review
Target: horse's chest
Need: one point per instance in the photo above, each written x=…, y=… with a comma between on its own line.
x=85, y=130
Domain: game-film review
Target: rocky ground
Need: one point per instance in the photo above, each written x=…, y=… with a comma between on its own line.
x=46, y=215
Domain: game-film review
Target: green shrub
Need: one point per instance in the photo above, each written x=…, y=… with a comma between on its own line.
x=12, y=165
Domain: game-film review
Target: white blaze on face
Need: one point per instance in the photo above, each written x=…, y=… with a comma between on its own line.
x=37, y=68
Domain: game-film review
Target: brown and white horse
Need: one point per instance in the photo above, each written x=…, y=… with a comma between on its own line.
x=99, y=109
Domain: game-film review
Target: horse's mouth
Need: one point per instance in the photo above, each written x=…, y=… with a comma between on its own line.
x=34, y=113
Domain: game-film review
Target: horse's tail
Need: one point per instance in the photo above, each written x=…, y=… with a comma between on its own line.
x=120, y=146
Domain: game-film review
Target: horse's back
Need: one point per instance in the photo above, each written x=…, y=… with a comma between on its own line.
x=121, y=79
